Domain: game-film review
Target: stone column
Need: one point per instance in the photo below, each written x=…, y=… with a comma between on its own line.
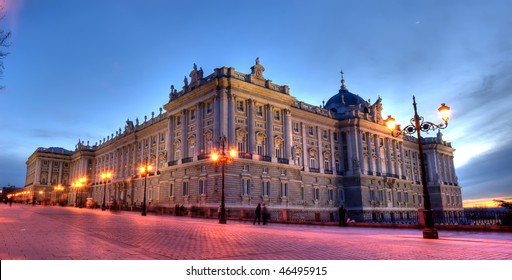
x=231, y=120
x=320, y=149
x=199, y=129
x=37, y=174
x=305, y=154
x=287, y=135
x=217, y=119
x=402, y=157
x=184, y=132
x=250, y=125
x=270, y=132
x=170, y=138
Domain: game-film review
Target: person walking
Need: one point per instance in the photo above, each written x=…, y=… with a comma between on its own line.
x=342, y=213
x=257, y=214
x=265, y=214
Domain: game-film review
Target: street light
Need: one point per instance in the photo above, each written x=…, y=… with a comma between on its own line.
x=105, y=176
x=78, y=184
x=144, y=171
x=58, y=189
x=223, y=158
x=417, y=125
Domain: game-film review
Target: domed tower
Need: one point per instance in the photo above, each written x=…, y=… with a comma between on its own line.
x=344, y=103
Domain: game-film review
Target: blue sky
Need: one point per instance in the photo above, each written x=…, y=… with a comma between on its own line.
x=78, y=69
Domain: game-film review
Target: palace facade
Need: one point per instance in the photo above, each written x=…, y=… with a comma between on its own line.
x=297, y=158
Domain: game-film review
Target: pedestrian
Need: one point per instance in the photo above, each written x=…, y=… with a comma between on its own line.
x=218, y=211
x=10, y=201
x=257, y=214
x=265, y=214
x=342, y=213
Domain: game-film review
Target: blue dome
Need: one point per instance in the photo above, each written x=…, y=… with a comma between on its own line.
x=344, y=100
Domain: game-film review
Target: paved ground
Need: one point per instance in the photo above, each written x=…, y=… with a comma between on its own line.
x=67, y=233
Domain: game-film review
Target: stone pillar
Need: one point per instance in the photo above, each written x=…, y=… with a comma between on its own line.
x=287, y=135
x=231, y=120
x=199, y=129
x=184, y=132
x=170, y=138
x=305, y=154
x=320, y=149
x=270, y=131
x=250, y=124
x=223, y=116
x=217, y=119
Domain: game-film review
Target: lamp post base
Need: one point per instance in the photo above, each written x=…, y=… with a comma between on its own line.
x=430, y=233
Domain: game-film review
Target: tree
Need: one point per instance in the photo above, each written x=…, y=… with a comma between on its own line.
x=4, y=43
x=504, y=204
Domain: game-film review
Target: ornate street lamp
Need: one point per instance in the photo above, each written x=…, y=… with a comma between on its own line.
x=105, y=176
x=79, y=184
x=417, y=125
x=223, y=159
x=144, y=171
x=58, y=189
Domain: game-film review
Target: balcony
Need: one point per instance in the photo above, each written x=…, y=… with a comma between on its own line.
x=265, y=158
x=187, y=160
x=245, y=155
x=315, y=170
x=203, y=156
x=328, y=171
x=283, y=160
x=171, y=163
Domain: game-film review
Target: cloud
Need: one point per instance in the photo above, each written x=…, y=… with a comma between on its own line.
x=488, y=173
x=10, y=175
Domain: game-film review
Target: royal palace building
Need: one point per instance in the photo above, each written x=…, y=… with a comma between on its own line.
x=301, y=160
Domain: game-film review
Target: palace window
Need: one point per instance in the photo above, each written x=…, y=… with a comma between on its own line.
x=312, y=162
x=296, y=127
x=185, y=188
x=171, y=189
x=277, y=115
x=330, y=194
x=246, y=186
x=327, y=164
x=209, y=107
x=284, y=189
x=202, y=187
x=266, y=188
x=259, y=110
x=316, y=192
x=240, y=106
x=192, y=115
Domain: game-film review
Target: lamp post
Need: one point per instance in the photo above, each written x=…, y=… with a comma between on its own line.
x=57, y=189
x=105, y=176
x=144, y=171
x=417, y=125
x=79, y=184
x=223, y=159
